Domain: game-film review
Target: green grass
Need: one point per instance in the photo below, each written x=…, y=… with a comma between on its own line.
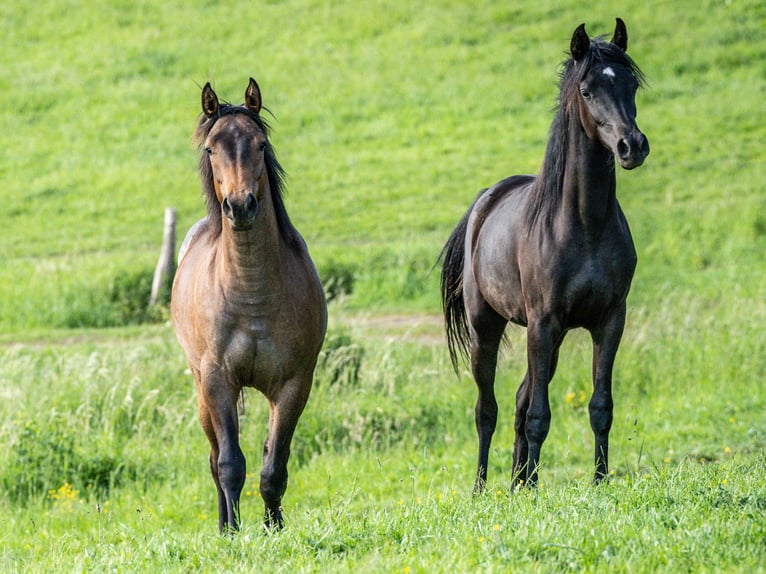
x=651, y=522
x=107, y=468
x=389, y=117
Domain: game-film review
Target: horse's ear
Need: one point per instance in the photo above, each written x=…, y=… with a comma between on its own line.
x=253, y=97
x=580, y=43
x=209, y=101
x=620, y=38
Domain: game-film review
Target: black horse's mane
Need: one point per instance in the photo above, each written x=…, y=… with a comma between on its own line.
x=547, y=192
x=274, y=171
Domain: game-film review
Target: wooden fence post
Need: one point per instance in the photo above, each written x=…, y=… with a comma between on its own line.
x=166, y=265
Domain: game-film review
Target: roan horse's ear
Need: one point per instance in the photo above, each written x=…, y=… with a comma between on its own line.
x=620, y=38
x=253, y=97
x=209, y=101
x=580, y=43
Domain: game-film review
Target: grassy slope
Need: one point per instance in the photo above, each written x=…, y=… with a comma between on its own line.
x=388, y=120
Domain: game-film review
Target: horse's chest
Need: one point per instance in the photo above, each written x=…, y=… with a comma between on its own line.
x=597, y=284
x=250, y=354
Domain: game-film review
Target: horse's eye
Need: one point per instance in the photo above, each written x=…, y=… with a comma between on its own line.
x=262, y=145
x=585, y=94
x=208, y=151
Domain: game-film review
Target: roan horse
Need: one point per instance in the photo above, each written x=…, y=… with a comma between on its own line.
x=551, y=252
x=247, y=305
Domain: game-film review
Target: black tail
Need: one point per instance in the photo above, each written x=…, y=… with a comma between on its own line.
x=455, y=322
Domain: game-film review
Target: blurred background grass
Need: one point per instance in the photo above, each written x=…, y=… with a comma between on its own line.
x=388, y=119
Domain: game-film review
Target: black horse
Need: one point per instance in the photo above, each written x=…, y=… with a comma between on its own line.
x=552, y=252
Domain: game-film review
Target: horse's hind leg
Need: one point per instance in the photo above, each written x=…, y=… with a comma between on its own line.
x=520, y=444
x=606, y=340
x=486, y=328
x=284, y=413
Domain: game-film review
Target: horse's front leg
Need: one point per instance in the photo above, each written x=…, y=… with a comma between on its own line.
x=520, y=445
x=606, y=340
x=207, y=426
x=218, y=414
x=543, y=340
x=285, y=410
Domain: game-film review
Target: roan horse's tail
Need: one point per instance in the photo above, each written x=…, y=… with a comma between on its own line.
x=455, y=322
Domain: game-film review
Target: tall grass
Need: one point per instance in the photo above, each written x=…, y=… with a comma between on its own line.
x=106, y=465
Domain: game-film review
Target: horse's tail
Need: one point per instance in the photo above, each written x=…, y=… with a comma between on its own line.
x=455, y=321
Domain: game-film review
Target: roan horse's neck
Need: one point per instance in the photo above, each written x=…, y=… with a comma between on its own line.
x=589, y=184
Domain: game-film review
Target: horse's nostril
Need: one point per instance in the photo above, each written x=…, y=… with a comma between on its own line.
x=645, y=146
x=226, y=207
x=250, y=203
x=623, y=149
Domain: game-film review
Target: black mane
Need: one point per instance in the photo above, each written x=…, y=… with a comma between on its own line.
x=550, y=182
x=274, y=172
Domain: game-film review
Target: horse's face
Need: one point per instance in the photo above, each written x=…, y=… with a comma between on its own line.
x=235, y=147
x=606, y=100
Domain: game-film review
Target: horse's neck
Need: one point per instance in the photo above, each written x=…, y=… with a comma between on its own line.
x=588, y=195
x=250, y=261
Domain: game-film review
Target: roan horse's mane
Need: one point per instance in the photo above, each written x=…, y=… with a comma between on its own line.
x=274, y=172
x=547, y=192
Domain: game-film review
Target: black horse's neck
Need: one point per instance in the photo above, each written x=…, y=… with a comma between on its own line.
x=576, y=184
x=588, y=193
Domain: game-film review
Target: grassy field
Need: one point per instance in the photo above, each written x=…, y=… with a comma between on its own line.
x=389, y=117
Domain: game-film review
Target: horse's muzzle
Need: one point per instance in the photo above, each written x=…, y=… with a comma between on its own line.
x=241, y=213
x=632, y=150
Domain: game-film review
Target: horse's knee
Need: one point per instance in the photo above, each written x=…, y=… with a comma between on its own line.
x=601, y=414
x=232, y=471
x=536, y=426
x=520, y=418
x=273, y=484
x=486, y=414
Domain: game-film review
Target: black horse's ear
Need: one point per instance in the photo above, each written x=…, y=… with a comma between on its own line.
x=620, y=38
x=209, y=101
x=253, y=97
x=580, y=43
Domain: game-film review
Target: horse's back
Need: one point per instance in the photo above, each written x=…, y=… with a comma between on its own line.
x=194, y=232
